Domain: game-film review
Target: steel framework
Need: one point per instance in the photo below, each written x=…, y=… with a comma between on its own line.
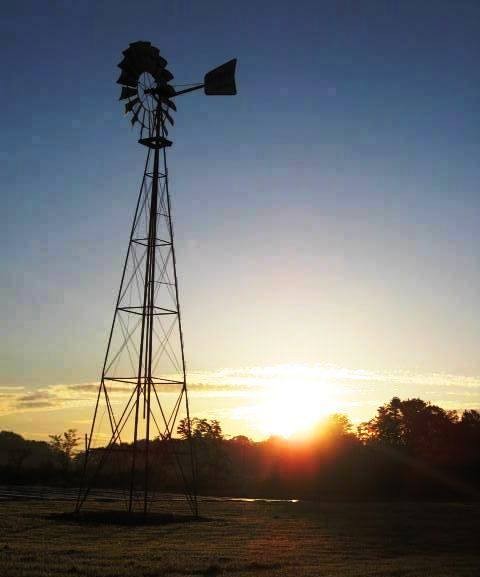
x=145, y=351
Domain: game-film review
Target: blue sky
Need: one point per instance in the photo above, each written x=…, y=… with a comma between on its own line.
x=329, y=213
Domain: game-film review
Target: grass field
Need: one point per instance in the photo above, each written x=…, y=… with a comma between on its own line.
x=246, y=539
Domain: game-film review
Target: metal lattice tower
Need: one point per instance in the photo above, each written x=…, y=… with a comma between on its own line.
x=143, y=389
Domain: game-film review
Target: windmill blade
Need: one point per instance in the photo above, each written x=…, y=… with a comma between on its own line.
x=149, y=56
x=130, y=66
x=170, y=104
x=135, y=116
x=169, y=118
x=151, y=51
x=159, y=60
x=127, y=92
x=127, y=79
x=139, y=44
x=145, y=62
x=165, y=75
x=130, y=105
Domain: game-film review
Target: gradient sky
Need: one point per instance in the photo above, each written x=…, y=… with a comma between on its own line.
x=327, y=216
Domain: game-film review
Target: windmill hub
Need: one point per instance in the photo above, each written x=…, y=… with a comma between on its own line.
x=146, y=91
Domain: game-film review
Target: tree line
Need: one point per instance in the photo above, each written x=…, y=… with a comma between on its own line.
x=410, y=449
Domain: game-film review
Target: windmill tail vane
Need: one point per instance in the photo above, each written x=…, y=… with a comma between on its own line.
x=143, y=396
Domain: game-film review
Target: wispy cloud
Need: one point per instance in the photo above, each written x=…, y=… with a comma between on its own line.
x=11, y=388
x=36, y=399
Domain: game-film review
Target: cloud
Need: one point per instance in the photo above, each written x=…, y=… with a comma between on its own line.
x=92, y=388
x=37, y=404
x=37, y=399
x=11, y=388
x=32, y=397
x=87, y=387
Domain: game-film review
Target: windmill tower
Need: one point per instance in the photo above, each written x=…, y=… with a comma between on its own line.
x=142, y=395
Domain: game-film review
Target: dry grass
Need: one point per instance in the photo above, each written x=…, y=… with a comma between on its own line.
x=246, y=539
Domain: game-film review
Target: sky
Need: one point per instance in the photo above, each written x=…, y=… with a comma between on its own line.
x=326, y=218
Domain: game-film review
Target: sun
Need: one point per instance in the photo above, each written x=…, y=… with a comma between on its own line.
x=292, y=403
x=293, y=410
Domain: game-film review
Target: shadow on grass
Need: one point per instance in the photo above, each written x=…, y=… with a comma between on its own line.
x=124, y=518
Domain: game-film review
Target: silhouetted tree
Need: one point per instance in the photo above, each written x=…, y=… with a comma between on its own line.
x=387, y=427
x=338, y=425
x=413, y=424
x=16, y=449
x=64, y=446
x=241, y=440
x=471, y=419
x=200, y=429
x=183, y=429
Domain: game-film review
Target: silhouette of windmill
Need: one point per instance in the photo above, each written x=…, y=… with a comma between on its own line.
x=143, y=388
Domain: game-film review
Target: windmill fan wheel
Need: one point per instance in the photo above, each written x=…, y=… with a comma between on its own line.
x=145, y=85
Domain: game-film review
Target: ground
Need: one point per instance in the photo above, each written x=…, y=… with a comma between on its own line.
x=247, y=539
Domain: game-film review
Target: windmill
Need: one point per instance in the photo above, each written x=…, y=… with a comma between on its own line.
x=143, y=388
